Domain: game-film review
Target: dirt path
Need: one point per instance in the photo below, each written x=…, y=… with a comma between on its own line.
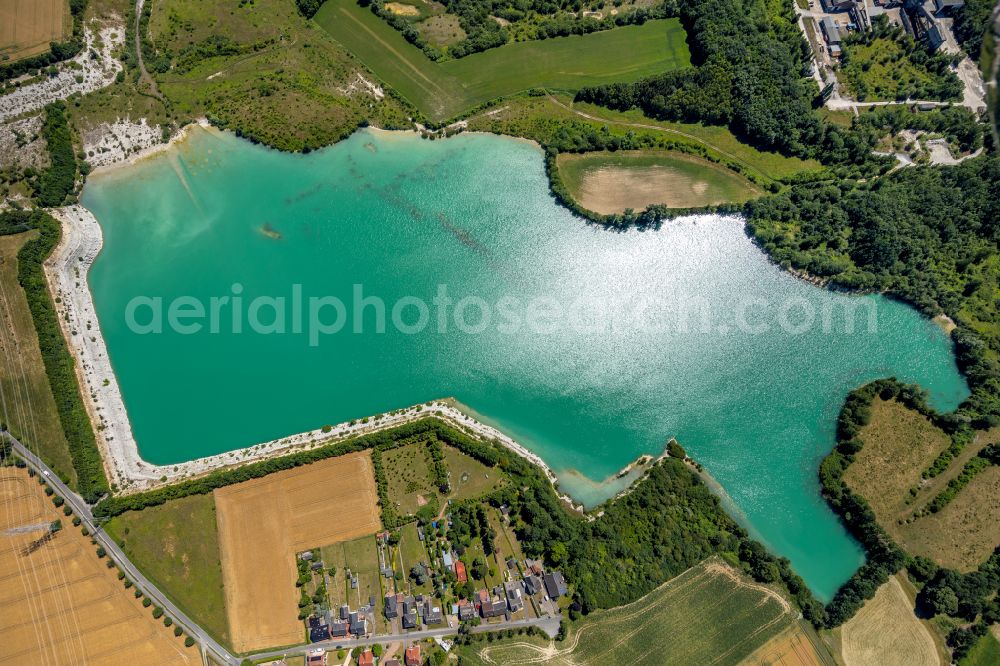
x=657, y=128
x=144, y=75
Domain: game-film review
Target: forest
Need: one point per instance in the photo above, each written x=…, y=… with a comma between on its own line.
x=57, y=181
x=750, y=63
x=972, y=25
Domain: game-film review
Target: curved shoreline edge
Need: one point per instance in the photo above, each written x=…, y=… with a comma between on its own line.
x=66, y=272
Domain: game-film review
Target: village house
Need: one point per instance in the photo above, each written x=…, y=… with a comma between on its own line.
x=412, y=656
x=431, y=614
x=359, y=624
x=532, y=584
x=494, y=606
x=391, y=608
x=319, y=629
x=460, y=572
x=555, y=584
x=367, y=658
x=514, y=592
x=466, y=611
x=338, y=629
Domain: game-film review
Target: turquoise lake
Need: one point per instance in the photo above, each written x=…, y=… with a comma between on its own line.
x=701, y=337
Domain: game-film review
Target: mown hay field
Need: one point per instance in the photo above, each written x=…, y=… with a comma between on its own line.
x=710, y=614
x=176, y=545
x=899, y=444
x=60, y=604
x=27, y=27
x=264, y=523
x=443, y=90
x=610, y=183
x=887, y=632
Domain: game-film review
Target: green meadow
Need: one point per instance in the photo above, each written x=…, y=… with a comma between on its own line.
x=444, y=90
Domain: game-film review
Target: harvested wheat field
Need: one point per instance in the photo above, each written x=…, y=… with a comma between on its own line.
x=886, y=632
x=60, y=604
x=27, y=26
x=789, y=648
x=262, y=525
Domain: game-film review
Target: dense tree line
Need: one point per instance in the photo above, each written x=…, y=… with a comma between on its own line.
x=956, y=123
x=58, y=51
x=969, y=596
x=750, y=60
x=57, y=181
x=91, y=482
x=926, y=234
x=972, y=24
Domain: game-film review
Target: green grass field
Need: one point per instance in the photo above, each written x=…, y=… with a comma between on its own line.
x=444, y=90
x=707, y=615
x=412, y=551
x=176, y=545
x=985, y=652
x=610, y=183
x=469, y=478
x=541, y=118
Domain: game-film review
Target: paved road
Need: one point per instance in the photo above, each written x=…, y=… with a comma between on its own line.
x=550, y=625
x=82, y=509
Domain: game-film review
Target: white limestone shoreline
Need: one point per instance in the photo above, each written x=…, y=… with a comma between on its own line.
x=66, y=272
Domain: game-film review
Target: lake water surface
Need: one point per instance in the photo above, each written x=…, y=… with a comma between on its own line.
x=702, y=338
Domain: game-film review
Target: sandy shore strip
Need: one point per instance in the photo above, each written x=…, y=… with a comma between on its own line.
x=66, y=271
x=126, y=142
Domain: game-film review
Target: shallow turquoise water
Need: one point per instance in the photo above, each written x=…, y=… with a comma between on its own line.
x=401, y=216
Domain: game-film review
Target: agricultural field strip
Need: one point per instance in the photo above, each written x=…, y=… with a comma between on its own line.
x=82, y=585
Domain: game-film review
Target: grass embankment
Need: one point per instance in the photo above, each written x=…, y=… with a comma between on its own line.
x=176, y=545
x=263, y=71
x=609, y=183
x=28, y=407
x=900, y=444
x=546, y=119
x=59, y=365
x=444, y=90
x=708, y=614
